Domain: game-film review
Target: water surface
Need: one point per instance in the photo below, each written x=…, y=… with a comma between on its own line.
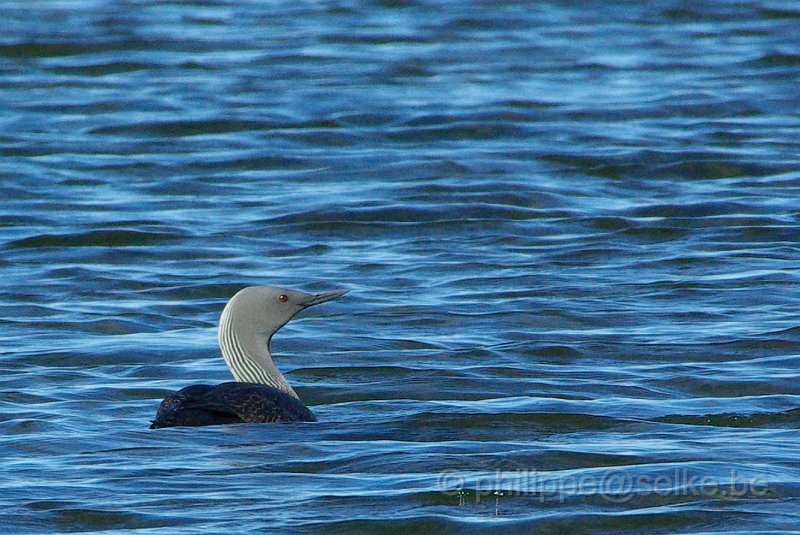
x=570, y=237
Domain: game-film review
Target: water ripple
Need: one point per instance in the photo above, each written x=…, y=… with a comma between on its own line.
x=569, y=237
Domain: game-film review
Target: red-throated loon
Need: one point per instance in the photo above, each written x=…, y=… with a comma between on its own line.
x=260, y=393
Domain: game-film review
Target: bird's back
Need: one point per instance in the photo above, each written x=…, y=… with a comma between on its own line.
x=227, y=403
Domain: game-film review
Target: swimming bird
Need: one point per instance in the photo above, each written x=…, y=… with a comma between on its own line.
x=260, y=393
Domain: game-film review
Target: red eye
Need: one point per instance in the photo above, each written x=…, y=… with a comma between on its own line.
x=283, y=298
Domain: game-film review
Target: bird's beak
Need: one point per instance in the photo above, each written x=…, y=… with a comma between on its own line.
x=323, y=297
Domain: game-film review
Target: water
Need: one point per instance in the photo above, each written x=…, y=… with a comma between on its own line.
x=570, y=237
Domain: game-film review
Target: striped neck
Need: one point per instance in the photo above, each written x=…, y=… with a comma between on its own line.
x=247, y=354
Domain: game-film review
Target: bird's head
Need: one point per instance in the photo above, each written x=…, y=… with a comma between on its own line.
x=262, y=310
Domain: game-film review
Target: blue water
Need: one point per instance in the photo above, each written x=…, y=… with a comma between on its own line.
x=571, y=237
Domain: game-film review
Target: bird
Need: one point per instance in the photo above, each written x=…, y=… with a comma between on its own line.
x=260, y=392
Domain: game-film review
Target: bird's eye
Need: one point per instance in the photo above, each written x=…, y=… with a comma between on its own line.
x=283, y=298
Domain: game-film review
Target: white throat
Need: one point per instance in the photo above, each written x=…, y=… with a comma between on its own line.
x=247, y=354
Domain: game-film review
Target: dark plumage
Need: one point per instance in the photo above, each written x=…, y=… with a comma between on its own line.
x=261, y=393
x=230, y=403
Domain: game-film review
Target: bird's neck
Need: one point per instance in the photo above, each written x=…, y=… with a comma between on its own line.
x=248, y=356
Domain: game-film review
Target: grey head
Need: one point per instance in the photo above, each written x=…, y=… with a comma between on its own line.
x=248, y=322
x=262, y=310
